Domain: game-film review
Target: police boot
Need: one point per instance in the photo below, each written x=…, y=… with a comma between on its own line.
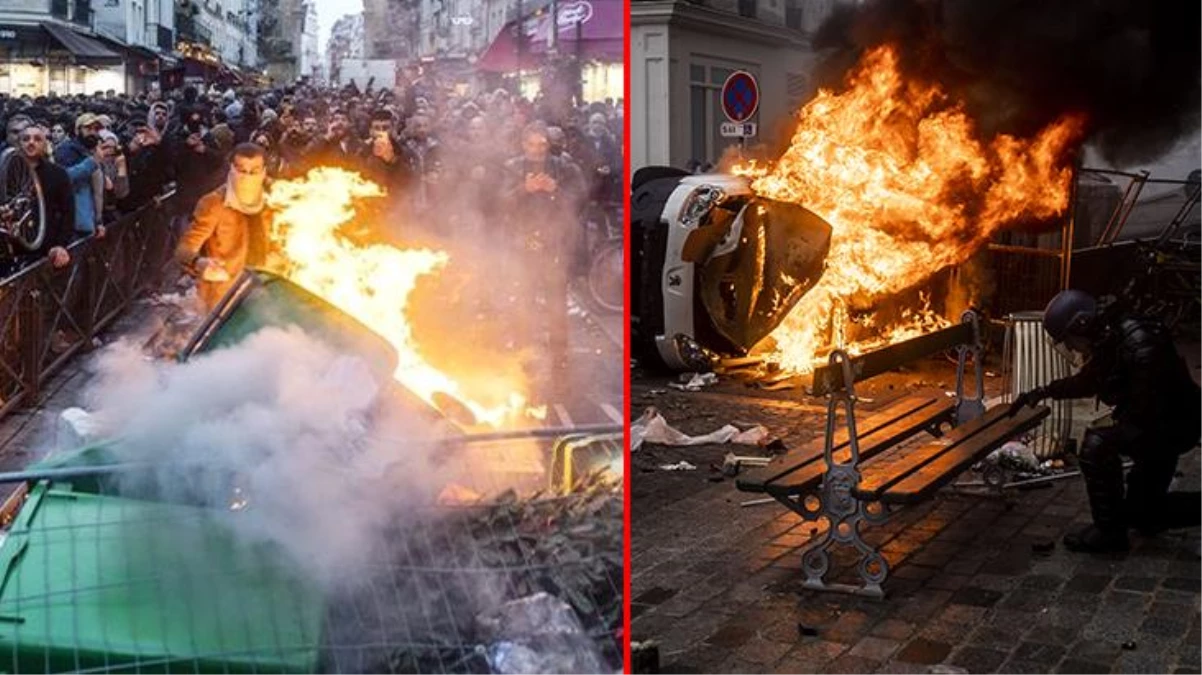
x=1103, y=471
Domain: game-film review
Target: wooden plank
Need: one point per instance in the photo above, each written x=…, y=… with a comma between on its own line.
x=801, y=469
x=754, y=481
x=918, y=486
x=958, y=448
x=829, y=377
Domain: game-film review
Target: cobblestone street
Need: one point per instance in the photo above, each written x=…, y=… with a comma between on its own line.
x=718, y=585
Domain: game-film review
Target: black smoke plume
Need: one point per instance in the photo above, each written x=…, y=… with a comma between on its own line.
x=1131, y=66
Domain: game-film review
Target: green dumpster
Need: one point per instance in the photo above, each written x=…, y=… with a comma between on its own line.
x=100, y=583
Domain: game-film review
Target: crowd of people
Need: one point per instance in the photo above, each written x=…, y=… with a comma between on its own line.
x=515, y=181
x=103, y=155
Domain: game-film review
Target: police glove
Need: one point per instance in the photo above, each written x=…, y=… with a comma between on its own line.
x=1025, y=399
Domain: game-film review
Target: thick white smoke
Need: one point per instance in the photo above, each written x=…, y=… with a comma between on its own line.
x=281, y=422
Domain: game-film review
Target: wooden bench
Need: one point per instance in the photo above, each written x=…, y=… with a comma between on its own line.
x=857, y=471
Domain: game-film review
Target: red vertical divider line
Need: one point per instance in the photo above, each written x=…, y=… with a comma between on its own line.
x=626, y=637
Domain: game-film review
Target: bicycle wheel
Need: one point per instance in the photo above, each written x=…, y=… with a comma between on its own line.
x=605, y=277
x=22, y=207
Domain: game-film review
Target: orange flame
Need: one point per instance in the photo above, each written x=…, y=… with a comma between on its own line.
x=370, y=282
x=896, y=168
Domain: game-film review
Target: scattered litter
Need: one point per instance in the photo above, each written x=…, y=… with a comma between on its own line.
x=694, y=354
x=537, y=634
x=77, y=427
x=644, y=656
x=946, y=670
x=1014, y=455
x=780, y=385
x=1045, y=546
x=808, y=631
x=694, y=381
x=864, y=399
x=757, y=502
x=732, y=463
x=990, y=373
x=1129, y=645
x=651, y=427
x=682, y=465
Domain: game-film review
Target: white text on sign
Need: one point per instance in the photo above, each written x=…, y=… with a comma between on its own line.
x=737, y=130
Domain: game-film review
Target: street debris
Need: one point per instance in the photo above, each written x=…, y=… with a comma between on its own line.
x=694, y=381
x=537, y=634
x=1129, y=645
x=756, y=502
x=651, y=427
x=1015, y=456
x=682, y=465
x=76, y=428
x=732, y=463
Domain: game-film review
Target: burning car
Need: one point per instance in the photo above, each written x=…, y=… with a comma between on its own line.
x=715, y=266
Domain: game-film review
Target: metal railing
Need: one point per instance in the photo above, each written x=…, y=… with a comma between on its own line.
x=49, y=315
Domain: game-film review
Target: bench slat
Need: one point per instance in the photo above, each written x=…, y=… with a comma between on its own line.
x=916, y=474
x=755, y=480
x=829, y=378
x=878, y=439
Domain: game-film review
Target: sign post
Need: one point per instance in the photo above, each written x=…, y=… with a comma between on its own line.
x=740, y=100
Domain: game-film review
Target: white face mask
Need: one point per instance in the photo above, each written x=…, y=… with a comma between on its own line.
x=244, y=192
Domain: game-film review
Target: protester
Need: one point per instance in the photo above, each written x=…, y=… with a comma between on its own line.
x=229, y=227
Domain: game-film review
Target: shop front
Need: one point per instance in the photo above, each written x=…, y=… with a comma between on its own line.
x=582, y=49
x=48, y=57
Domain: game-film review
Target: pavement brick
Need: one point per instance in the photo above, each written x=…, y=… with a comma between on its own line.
x=1015, y=666
x=922, y=650
x=851, y=664
x=978, y=659
x=810, y=655
x=894, y=629
x=1038, y=652
x=1187, y=584
x=1165, y=626
x=996, y=637
x=976, y=597
x=849, y=628
x=762, y=651
x=1088, y=583
x=875, y=648
x=1135, y=583
x=1081, y=667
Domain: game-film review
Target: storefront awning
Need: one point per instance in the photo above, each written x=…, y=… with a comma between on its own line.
x=502, y=55
x=588, y=29
x=83, y=48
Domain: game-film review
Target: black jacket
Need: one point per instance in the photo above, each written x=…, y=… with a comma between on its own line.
x=1135, y=367
x=60, y=206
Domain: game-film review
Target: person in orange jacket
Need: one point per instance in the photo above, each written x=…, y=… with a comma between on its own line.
x=229, y=227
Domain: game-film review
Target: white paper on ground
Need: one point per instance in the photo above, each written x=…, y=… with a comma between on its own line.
x=651, y=427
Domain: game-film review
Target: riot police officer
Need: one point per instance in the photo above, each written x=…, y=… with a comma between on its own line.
x=1130, y=363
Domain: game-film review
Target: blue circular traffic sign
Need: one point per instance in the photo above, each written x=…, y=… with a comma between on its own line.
x=740, y=96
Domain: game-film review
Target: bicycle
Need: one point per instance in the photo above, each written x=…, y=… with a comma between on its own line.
x=605, y=255
x=22, y=205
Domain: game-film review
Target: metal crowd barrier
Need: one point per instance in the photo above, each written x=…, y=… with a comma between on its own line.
x=1030, y=360
x=49, y=315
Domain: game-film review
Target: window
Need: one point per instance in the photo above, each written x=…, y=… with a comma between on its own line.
x=705, y=111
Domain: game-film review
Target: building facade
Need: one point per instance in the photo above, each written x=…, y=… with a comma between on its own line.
x=346, y=42
x=681, y=54
x=287, y=38
x=143, y=32
x=50, y=46
x=310, y=53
